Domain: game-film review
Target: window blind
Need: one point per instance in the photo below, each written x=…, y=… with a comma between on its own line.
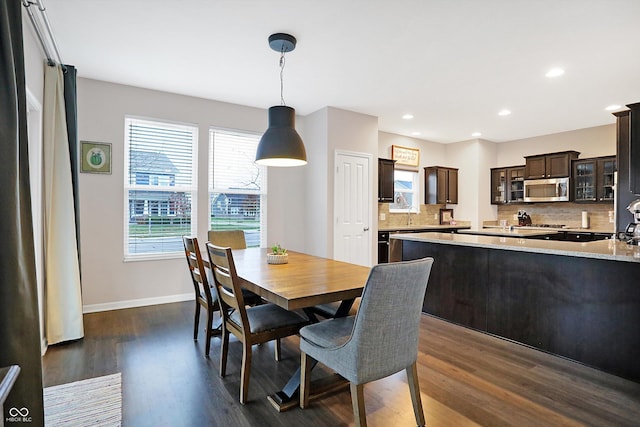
x=160, y=186
x=237, y=185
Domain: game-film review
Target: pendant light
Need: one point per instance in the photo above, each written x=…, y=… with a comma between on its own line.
x=281, y=145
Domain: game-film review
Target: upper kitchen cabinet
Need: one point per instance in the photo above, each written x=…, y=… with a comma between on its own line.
x=440, y=185
x=507, y=185
x=593, y=179
x=552, y=165
x=498, y=186
x=386, y=169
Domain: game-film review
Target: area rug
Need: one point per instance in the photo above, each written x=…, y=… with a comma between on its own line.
x=91, y=402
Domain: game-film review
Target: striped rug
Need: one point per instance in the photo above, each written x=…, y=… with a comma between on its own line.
x=91, y=402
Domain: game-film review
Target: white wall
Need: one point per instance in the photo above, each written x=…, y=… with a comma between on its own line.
x=431, y=153
x=473, y=159
x=353, y=132
x=590, y=142
x=300, y=204
x=106, y=278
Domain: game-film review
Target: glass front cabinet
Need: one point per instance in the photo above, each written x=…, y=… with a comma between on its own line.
x=593, y=179
x=507, y=185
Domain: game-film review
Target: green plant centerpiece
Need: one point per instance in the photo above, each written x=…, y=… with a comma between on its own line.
x=278, y=255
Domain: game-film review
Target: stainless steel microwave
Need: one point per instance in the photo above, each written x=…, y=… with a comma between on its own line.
x=546, y=190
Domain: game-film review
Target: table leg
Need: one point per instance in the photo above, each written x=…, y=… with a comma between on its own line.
x=288, y=397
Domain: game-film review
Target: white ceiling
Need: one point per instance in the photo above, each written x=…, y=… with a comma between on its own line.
x=453, y=64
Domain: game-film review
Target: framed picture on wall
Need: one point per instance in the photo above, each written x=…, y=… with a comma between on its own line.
x=95, y=157
x=446, y=215
x=405, y=156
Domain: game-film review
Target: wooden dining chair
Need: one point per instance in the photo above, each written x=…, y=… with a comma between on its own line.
x=205, y=295
x=380, y=340
x=234, y=239
x=250, y=325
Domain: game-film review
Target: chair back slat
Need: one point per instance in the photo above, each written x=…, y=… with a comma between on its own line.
x=197, y=269
x=227, y=284
x=234, y=239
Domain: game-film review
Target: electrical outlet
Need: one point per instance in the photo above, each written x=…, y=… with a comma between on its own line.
x=515, y=217
x=435, y=216
x=383, y=217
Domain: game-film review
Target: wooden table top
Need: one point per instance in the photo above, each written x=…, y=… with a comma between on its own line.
x=305, y=281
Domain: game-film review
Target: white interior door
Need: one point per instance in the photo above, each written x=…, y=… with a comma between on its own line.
x=352, y=208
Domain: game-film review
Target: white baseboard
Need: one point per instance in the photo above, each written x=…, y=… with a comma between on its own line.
x=117, y=305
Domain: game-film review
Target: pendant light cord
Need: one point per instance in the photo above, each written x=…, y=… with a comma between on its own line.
x=282, y=64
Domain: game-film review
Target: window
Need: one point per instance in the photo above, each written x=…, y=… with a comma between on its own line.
x=160, y=187
x=405, y=192
x=237, y=185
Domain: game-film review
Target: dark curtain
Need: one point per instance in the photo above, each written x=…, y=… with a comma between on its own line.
x=71, y=111
x=19, y=324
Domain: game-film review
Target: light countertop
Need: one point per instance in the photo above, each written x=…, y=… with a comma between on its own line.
x=603, y=249
x=514, y=232
x=422, y=227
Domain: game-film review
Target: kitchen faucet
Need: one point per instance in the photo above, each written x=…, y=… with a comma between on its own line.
x=409, y=217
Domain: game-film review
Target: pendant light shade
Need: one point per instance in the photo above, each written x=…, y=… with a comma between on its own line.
x=281, y=145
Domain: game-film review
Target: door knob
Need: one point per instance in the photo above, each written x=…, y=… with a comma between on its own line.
x=365, y=229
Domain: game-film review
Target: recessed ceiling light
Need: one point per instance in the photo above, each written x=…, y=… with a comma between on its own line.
x=555, y=72
x=408, y=116
x=415, y=133
x=504, y=112
x=476, y=134
x=613, y=107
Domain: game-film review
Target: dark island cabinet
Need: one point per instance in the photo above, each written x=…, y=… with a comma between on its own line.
x=386, y=169
x=584, y=309
x=552, y=165
x=440, y=185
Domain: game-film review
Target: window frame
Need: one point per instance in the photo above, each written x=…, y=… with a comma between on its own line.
x=415, y=190
x=262, y=193
x=131, y=185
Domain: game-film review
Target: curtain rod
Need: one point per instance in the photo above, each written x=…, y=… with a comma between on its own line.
x=37, y=26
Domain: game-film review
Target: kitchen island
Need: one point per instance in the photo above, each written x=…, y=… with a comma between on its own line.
x=572, y=299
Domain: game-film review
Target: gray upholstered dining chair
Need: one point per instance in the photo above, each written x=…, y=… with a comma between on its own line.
x=250, y=325
x=380, y=340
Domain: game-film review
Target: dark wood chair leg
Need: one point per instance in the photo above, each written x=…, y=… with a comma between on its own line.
x=414, y=388
x=357, y=400
x=246, y=372
x=305, y=382
x=209, y=332
x=196, y=320
x=224, y=348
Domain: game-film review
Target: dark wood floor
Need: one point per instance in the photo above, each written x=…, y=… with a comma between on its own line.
x=467, y=379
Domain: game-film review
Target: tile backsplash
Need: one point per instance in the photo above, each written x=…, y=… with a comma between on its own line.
x=566, y=213
x=429, y=215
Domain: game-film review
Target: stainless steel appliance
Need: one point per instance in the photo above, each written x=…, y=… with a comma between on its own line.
x=632, y=233
x=546, y=190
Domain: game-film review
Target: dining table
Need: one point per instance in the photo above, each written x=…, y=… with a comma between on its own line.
x=304, y=282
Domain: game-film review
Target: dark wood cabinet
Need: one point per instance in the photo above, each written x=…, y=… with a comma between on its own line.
x=593, y=179
x=498, y=186
x=586, y=309
x=507, y=185
x=623, y=144
x=386, y=169
x=634, y=148
x=552, y=165
x=440, y=185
